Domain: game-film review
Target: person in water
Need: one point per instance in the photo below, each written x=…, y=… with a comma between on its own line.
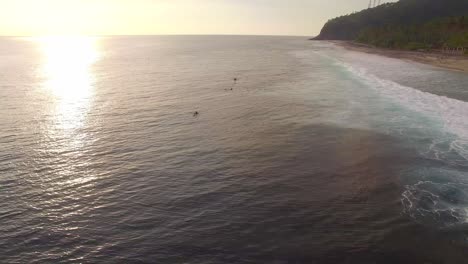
x=195, y=113
x=235, y=82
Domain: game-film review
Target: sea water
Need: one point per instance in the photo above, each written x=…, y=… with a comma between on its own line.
x=314, y=154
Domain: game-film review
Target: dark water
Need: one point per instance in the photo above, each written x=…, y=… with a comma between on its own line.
x=316, y=155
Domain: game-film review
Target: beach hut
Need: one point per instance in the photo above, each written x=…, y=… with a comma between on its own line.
x=459, y=50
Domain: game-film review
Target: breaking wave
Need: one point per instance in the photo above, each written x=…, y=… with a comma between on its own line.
x=437, y=194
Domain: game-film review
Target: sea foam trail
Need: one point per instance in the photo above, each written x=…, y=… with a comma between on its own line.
x=447, y=113
x=452, y=113
x=439, y=196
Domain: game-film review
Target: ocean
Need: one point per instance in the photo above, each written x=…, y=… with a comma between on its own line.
x=228, y=149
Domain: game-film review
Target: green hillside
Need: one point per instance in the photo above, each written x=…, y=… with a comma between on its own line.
x=408, y=24
x=451, y=32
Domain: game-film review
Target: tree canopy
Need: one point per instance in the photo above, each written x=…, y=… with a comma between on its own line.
x=451, y=32
x=407, y=24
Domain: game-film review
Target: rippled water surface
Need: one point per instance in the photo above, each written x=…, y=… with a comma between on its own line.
x=314, y=155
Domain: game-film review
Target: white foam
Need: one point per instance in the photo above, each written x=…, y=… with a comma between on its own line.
x=441, y=204
x=434, y=195
x=452, y=113
x=437, y=202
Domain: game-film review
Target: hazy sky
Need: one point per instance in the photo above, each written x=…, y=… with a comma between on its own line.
x=143, y=17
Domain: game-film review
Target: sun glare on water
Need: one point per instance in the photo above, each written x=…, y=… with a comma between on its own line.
x=67, y=65
x=68, y=76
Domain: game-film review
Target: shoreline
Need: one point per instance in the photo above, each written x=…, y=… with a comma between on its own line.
x=446, y=61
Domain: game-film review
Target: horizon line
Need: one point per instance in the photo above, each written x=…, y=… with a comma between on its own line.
x=150, y=35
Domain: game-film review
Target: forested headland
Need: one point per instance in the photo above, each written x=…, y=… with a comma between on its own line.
x=407, y=24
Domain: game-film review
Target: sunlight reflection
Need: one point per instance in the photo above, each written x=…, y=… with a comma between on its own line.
x=68, y=76
x=68, y=79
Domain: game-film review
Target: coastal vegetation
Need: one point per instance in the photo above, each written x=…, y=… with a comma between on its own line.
x=449, y=33
x=407, y=24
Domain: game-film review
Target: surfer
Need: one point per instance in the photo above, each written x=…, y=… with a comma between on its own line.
x=234, y=84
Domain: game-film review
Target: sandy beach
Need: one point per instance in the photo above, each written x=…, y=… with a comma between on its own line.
x=446, y=61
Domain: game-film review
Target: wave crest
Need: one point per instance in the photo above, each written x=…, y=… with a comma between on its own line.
x=440, y=195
